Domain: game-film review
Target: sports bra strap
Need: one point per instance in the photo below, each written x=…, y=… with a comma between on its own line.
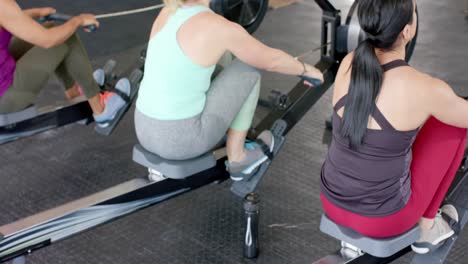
x=377, y=115
x=381, y=120
x=394, y=64
x=340, y=103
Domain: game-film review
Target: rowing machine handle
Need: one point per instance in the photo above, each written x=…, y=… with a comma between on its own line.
x=63, y=18
x=315, y=82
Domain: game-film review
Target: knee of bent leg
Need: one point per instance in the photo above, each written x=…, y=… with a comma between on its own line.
x=242, y=76
x=257, y=84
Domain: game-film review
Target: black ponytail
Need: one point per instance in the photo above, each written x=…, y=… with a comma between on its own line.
x=366, y=80
x=383, y=21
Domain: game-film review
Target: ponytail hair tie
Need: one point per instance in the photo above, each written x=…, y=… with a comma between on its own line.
x=371, y=37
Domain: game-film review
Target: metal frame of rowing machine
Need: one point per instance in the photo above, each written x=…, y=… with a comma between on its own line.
x=48, y=118
x=302, y=98
x=27, y=235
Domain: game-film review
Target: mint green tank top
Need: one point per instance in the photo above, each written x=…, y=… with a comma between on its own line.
x=173, y=87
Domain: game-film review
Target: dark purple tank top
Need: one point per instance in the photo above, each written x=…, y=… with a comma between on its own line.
x=7, y=63
x=374, y=178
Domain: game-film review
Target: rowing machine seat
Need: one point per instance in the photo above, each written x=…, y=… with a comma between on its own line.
x=174, y=169
x=13, y=118
x=376, y=247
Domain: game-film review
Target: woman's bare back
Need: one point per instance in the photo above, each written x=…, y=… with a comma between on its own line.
x=196, y=36
x=407, y=98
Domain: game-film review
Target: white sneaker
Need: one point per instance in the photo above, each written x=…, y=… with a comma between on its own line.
x=436, y=236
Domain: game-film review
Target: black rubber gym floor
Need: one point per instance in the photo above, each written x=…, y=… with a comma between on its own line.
x=203, y=226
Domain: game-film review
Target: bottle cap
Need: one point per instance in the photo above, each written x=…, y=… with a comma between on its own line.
x=251, y=202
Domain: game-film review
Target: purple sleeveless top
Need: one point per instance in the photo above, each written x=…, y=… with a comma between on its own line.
x=373, y=179
x=7, y=63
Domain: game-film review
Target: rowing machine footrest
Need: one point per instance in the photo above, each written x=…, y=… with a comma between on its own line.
x=13, y=118
x=376, y=247
x=134, y=78
x=246, y=186
x=174, y=169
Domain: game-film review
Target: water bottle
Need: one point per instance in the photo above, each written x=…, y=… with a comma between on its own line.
x=251, y=215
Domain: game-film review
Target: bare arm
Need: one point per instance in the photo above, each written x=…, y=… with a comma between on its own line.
x=253, y=52
x=39, y=12
x=445, y=105
x=24, y=27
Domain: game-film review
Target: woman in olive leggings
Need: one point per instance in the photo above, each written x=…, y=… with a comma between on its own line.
x=31, y=53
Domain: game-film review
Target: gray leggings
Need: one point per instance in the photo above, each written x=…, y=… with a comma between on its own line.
x=230, y=91
x=34, y=67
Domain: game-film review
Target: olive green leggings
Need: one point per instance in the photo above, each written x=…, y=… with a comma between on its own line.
x=34, y=66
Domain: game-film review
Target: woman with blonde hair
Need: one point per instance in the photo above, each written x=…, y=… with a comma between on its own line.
x=180, y=114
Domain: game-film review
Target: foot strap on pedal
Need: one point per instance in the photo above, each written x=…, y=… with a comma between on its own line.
x=452, y=223
x=265, y=148
x=122, y=95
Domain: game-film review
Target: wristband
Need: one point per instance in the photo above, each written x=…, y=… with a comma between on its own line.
x=303, y=65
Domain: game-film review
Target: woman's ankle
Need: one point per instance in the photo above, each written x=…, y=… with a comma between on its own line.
x=95, y=104
x=73, y=92
x=426, y=223
x=237, y=156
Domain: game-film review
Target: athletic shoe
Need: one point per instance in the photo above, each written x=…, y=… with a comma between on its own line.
x=254, y=157
x=112, y=103
x=441, y=231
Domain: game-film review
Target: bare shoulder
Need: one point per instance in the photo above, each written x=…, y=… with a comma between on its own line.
x=425, y=85
x=8, y=8
x=437, y=84
x=11, y=14
x=345, y=65
x=208, y=17
x=343, y=78
x=159, y=21
x=163, y=15
x=348, y=59
x=165, y=12
x=7, y=3
x=428, y=92
x=216, y=23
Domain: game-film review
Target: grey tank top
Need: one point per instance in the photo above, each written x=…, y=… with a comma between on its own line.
x=374, y=178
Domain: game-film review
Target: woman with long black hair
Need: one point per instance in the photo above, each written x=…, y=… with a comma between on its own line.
x=398, y=135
